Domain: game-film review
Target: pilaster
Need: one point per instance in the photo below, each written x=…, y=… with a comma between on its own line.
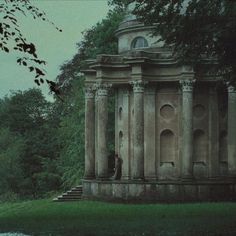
x=231, y=130
x=214, y=168
x=150, y=124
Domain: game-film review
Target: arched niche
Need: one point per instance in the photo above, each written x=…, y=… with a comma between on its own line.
x=139, y=42
x=200, y=146
x=223, y=150
x=167, y=146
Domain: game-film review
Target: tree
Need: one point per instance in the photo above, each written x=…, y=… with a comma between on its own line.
x=12, y=39
x=195, y=29
x=12, y=148
x=30, y=117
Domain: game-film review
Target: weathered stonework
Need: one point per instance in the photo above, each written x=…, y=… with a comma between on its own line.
x=89, y=172
x=187, y=128
x=127, y=191
x=175, y=128
x=231, y=131
x=102, y=120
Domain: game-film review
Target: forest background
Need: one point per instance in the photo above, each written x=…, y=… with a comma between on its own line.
x=42, y=142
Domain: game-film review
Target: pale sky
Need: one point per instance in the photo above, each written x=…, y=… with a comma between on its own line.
x=73, y=17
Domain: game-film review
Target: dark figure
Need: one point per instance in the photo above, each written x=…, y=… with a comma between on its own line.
x=111, y=164
x=118, y=165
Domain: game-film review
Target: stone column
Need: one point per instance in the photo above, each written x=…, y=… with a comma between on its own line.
x=96, y=134
x=138, y=131
x=187, y=128
x=125, y=148
x=231, y=131
x=214, y=167
x=102, y=122
x=89, y=134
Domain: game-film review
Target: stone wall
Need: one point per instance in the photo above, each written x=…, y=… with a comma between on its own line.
x=127, y=191
x=163, y=132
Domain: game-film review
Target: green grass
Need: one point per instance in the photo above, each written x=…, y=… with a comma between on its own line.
x=43, y=217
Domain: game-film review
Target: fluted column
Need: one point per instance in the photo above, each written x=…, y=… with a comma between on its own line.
x=138, y=130
x=89, y=134
x=102, y=122
x=187, y=128
x=231, y=131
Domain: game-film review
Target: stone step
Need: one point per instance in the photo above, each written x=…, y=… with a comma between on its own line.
x=75, y=194
x=71, y=194
x=75, y=191
x=67, y=200
x=70, y=197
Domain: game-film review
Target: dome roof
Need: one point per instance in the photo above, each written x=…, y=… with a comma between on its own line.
x=134, y=35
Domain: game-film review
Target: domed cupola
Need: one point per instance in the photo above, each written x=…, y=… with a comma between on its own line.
x=133, y=35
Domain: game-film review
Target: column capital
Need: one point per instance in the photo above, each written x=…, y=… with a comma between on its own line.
x=231, y=88
x=187, y=85
x=138, y=85
x=89, y=92
x=102, y=88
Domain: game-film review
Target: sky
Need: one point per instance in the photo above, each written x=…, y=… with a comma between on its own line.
x=73, y=17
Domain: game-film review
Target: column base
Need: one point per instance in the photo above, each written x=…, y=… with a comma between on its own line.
x=217, y=177
x=137, y=179
x=89, y=177
x=125, y=177
x=149, y=178
x=187, y=178
x=103, y=178
x=232, y=177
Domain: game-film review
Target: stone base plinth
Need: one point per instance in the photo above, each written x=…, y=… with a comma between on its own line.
x=159, y=191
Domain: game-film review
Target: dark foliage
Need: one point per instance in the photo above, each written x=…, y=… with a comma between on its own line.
x=29, y=142
x=42, y=143
x=195, y=29
x=12, y=39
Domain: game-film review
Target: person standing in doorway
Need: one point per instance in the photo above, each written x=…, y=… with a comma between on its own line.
x=118, y=167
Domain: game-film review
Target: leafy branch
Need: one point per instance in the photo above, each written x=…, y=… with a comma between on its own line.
x=12, y=39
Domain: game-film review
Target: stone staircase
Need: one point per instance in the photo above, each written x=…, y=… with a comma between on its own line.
x=75, y=194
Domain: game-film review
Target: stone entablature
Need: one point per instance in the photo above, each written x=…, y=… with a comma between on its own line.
x=122, y=70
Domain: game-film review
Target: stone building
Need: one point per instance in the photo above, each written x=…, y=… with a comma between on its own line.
x=175, y=128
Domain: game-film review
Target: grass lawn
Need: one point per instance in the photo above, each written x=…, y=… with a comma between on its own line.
x=44, y=217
